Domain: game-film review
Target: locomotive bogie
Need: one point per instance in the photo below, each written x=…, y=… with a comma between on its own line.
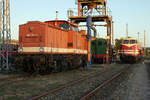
x=129, y=58
x=46, y=63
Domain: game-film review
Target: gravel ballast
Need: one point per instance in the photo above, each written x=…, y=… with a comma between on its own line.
x=133, y=85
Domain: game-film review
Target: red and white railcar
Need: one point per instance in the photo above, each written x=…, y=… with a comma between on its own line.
x=130, y=50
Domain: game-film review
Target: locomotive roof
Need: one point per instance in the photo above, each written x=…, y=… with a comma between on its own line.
x=62, y=21
x=57, y=20
x=51, y=21
x=31, y=22
x=129, y=38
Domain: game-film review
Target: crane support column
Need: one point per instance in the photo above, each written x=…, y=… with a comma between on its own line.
x=108, y=38
x=99, y=12
x=89, y=25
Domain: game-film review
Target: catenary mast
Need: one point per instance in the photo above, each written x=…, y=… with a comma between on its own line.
x=5, y=34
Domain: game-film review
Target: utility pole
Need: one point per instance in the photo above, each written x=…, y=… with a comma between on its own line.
x=56, y=15
x=144, y=42
x=138, y=36
x=127, y=30
x=0, y=33
x=113, y=33
x=5, y=36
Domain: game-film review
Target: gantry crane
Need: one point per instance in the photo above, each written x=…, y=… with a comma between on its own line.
x=5, y=34
x=86, y=7
x=97, y=9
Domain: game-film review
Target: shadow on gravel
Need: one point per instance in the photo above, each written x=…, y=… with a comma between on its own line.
x=128, y=62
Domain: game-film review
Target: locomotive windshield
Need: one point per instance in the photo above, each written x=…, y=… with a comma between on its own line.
x=125, y=41
x=75, y=29
x=133, y=41
x=64, y=26
x=129, y=41
x=99, y=43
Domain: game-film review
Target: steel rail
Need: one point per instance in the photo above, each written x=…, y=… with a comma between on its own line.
x=66, y=86
x=21, y=76
x=15, y=79
x=93, y=92
x=11, y=78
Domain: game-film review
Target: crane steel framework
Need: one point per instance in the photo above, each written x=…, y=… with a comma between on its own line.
x=86, y=7
x=5, y=35
x=99, y=12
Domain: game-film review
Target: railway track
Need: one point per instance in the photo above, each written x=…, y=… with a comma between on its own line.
x=19, y=78
x=63, y=87
x=13, y=79
x=56, y=93
x=97, y=89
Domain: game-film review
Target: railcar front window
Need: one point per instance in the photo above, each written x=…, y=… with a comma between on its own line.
x=126, y=42
x=133, y=41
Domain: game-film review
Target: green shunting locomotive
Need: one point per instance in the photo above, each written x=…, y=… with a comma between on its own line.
x=98, y=50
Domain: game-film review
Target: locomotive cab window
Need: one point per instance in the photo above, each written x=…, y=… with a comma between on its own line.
x=100, y=43
x=133, y=41
x=93, y=43
x=125, y=41
x=64, y=26
x=75, y=29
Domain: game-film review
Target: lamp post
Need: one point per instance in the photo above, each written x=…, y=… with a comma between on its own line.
x=144, y=43
x=113, y=33
x=138, y=36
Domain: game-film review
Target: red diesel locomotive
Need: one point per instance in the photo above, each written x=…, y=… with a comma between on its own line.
x=50, y=46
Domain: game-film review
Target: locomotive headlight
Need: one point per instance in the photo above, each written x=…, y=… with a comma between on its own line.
x=21, y=49
x=41, y=49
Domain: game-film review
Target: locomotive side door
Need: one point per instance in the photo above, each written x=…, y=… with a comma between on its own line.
x=70, y=38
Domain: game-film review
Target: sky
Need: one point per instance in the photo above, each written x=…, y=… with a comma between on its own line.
x=134, y=12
